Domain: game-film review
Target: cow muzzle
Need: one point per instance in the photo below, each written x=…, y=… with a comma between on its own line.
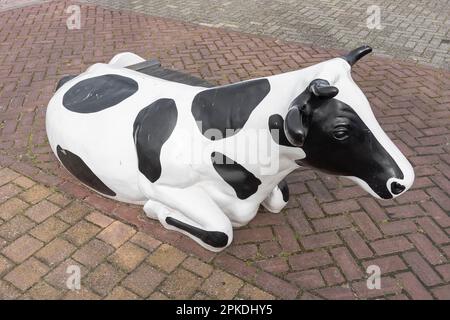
x=389, y=186
x=390, y=189
x=398, y=186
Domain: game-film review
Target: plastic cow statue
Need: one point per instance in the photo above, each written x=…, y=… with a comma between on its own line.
x=202, y=160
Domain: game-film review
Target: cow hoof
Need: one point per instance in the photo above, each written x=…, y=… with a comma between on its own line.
x=215, y=239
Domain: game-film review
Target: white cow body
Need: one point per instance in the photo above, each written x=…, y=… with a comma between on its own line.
x=188, y=188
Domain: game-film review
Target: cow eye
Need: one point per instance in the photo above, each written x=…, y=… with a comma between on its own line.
x=340, y=133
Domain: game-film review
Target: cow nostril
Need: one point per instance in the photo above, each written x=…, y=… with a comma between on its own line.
x=397, y=188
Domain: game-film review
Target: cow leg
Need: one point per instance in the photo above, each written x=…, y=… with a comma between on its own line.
x=278, y=198
x=192, y=212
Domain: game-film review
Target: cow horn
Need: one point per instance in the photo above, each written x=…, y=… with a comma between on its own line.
x=353, y=56
x=322, y=88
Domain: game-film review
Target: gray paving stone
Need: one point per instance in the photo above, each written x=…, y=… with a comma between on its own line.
x=410, y=30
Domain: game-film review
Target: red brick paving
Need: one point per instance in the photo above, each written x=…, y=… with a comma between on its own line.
x=319, y=247
x=116, y=260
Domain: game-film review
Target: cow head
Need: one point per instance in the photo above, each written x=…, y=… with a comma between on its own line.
x=334, y=125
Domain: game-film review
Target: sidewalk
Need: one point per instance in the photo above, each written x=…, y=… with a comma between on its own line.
x=411, y=30
x=319, y=247
x=44, y=232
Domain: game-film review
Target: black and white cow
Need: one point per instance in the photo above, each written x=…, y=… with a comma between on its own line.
x=202, y=160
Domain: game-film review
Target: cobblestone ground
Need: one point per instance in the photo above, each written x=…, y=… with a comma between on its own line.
x=319, y=247
x=416, y=30
x=11, y=4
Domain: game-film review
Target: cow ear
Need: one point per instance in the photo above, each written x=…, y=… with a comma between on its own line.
x=300, y=112
x=322, y=89
x=296, y=125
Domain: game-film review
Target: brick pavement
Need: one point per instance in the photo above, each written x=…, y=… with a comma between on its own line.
x=319, y=247
x=44, y=233
x=412, y=30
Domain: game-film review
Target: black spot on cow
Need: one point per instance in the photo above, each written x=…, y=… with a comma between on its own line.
x=99, y=93
x=276, y=127
x=63, y=81
x=76, y=166
x=153, y=126
x=284, y=190
x=227, y=107
x=215, y=239
x=240, y=179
